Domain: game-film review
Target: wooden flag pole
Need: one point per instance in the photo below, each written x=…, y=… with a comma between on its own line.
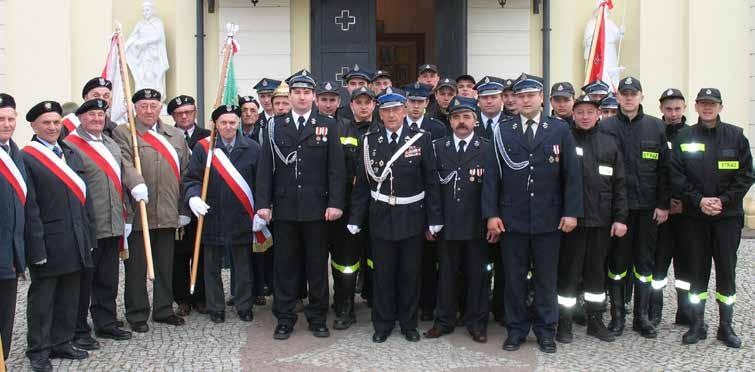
x=227, y=52
x=2, y=357
x=135, y=149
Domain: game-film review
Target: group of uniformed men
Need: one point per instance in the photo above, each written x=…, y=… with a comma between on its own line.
x=419, y=198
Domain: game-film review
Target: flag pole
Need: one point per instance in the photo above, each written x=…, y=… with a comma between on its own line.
x=227, y=52
x=593, y=47
x=135, y=148
x=2, y=357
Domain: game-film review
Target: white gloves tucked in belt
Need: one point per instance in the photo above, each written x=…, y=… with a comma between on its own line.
x=434, y=229
x=183, y=221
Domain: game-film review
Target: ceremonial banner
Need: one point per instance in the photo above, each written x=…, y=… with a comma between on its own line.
x=596, y=61
x=112, y=72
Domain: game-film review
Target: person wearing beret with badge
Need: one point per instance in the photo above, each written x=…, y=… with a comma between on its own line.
x=673, y=106
x=300, y=184
x=396, y=197
x=531, y=196
x=328, y=98
x=183, y=109
x=581, y=266
x=642, y=138
x=228, y=210
x=59, y=238
x=12, y=199
x=250, y=118
x=462, y=247
x=164, y=157
x=346, y=250
x=265, y=88
x=102, y=165
x=712, y=172
x=562, y=102
x=95, y=88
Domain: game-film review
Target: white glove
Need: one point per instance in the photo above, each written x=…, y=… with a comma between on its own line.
x=139, y=192
x=183, y=221
x=197, y=206
x=258, y=223
x=127, y=230
x=353, y=229
x=41, y=262
x=434, y=229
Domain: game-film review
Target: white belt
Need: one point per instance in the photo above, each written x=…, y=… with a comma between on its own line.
x=395, y=200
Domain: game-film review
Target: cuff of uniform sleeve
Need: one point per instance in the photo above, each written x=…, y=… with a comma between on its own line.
x=725, y=199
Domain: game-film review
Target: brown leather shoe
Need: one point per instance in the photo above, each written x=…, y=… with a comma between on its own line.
x=183, y=310
x=479, y=336
x=435, y=332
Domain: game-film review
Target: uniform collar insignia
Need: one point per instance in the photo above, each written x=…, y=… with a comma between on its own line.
x=448, y=143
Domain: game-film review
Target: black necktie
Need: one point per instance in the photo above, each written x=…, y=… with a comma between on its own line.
x=6, y=148
x=300, y=121
x=394, y=142
x=414, y=126
x=529, y=133
x=56, y=149
x=489, y=125
x=460, y=152
x=186, y=136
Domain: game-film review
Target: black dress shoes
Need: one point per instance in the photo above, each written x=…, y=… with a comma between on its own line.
x=546, y=345
x=319, y=330
x=410, y=335
x=479, y=336
x=283, y=332
x=67, y=351
x=86, y=343
x=114, y=333
x=172, y=320
x=217, y=317
x=140, y=327
x=41, y=365
x=435, y=332
x=246, y=316
x=380, y=337
x=512, y=343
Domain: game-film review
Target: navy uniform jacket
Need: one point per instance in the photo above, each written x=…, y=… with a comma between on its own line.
x=712, y=163
x=533, y=200
x=413, y=173
x=12, y=260
x=487, y=132
x=435, y=127
x=302, y=190
x=57, y=225
x=646, y=158
x=461, y=199
x=604, y=197
x=227, y=221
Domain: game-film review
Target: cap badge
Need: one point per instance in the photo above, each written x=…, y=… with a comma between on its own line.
x=178, y=100
x=304, y=73
x=102, y=82
x=628, y=80
x=456, y=102
x=560, y=87
x=356, y=67
x=228, y=108
x=389, y=90
x=264, y=82
x=328, y=86
x=48, y=106
x=707, y=91
x=99, y=104
x=147, y=93
x=487, y=79
x=669, y=92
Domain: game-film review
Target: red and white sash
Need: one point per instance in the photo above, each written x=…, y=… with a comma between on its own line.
x=10, y=172
x=58, y=167
x=71, y=122
x=105, y=161
x=166, y=150
x=236, y=183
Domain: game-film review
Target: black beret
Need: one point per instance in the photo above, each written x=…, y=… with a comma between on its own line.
x=6, y=100
x=179, y=101
x=225, y=109
x=97, y=82
x=43, y=108
x=92, y=104
x=248, y=99
x=146, y=93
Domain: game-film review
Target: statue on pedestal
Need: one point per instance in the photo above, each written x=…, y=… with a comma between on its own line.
x=146, y=54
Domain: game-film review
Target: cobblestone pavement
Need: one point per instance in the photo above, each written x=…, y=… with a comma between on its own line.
x=203, y=346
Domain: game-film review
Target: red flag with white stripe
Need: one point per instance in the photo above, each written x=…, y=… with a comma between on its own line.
x=596, y=60
x=112, y=72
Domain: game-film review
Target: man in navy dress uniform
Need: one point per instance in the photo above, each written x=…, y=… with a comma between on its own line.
x=532, y=189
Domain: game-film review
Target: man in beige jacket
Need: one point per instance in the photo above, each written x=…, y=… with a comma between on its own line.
x=101, y=159
x=164, y=158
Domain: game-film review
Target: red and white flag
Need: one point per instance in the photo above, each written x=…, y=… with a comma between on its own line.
x=596, y=60
x=112, y=72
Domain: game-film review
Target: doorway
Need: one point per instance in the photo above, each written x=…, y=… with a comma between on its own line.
x=405, y=33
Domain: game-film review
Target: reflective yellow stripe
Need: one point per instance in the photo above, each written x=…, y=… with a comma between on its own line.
x=370, y=264
x=728, y=300
x=615, y=276
x=595, y=297
x=650, y=155
x=349, y=141
x=693, y=147
x=644, y=279
x=696, y=298
x=345, y=269
x=529, y=274
x=729, y=165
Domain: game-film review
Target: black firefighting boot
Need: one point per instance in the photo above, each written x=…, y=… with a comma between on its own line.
x=641, y=323
x=618, y=308
x=564, y=332
x=697, y=330
x=655, y=310
x=725, y=330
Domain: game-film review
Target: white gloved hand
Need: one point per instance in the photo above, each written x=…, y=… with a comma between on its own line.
x=127, y=230
x=197, y=206
x=434, y=229
x=41, y=262
x=353, y=229
x=258, y=223
x=183, y=221
x=139, y=192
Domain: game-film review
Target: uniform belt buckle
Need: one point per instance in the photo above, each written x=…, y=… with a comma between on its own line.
x=391, y=200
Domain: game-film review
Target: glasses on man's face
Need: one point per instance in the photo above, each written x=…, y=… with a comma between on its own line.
x=183, y=113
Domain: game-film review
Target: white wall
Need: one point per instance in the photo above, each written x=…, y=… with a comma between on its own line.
x=751, y=130
x=2, y=45
x=264, y=39
x=498, y=40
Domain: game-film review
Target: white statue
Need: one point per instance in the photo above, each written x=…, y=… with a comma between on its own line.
x=614, y=34
x=146, y=54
